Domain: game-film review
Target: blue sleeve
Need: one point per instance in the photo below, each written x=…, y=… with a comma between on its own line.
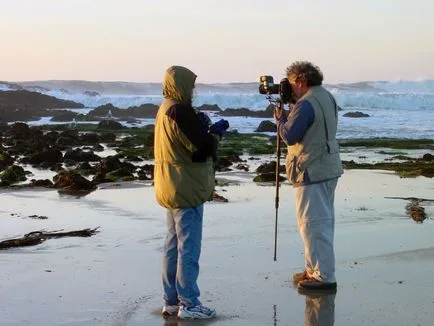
x=293, y=128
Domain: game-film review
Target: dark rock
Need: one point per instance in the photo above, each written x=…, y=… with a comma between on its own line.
x=41, y=183
x=146, y=172
x=356, y=114
x=428, y=157
x=50, y=137
x=47, y=165
x=78, y=155
x=243, y=167
x=103, y=111
x=209, y=107
x=427, y=172
x=109, y=125
x=24, y=105
x=65, y=115
x=234, y=158
x=142, y=175
x=91, y=93
x=108, y=138
x=244, y=112
x=266, y=126
x=89, y=138
x=67, y=141
x=122, y=174
x=13, y=174
x=56, y=167
x=19, y=130
x=68, y=138
x=270, y=167
x=110, y=111
x=143, y=111
x=5, y=160
x=49, y=155
x=97, y=148
x=223, y=164
x=39, y=217
x=72, y=181
x=133, y=158
x=108, y=164
x=267, y=177
x=219, y=198
x=85, y=168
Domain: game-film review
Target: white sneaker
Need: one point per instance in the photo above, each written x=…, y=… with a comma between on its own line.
x=170, y=310
x=196, y=312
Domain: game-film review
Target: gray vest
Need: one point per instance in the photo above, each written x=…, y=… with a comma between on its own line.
x=318, y=152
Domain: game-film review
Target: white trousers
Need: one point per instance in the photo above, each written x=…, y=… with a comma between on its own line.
x=314, y=205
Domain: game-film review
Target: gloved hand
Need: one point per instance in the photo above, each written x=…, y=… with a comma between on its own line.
x=219, y=128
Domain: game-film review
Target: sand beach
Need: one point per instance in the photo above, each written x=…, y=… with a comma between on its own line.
x=81, y=83
x=384, y=258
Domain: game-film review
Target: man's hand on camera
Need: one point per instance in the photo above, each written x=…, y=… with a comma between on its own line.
x=219, y=128
x=279, y=113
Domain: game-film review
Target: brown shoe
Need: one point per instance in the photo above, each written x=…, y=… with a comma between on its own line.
x=311, y=284
x=316, y=293
x=298, y=277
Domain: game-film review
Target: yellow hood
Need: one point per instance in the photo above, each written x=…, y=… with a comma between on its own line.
x=178, y=84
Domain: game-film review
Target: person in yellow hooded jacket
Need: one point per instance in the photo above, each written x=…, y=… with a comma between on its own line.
x=184, y=180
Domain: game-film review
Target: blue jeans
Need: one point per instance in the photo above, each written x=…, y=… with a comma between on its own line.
x=181, y=254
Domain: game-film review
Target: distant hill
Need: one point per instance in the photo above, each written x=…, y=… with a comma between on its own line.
x=119, y=87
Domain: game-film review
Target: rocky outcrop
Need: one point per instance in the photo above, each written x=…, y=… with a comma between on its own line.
x=91, y=93
x=12, y=174
x=73, y=183
x=266, y=126
x=267, y=113
x=356, y=114
x=66, y=116
x=110, y=111
x=22, y=105
x=110, y=125
x=33, y=100
x=209, y=107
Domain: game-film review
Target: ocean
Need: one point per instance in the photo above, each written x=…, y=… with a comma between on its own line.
x=396, y=109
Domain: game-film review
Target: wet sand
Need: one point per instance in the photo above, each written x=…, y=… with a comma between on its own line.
x=384, y=259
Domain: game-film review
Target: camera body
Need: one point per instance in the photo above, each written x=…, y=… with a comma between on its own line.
x=268, y=87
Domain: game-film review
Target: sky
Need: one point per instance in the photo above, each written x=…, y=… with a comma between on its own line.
x=220, y=40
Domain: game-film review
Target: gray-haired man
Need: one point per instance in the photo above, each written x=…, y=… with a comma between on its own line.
x=313, y=167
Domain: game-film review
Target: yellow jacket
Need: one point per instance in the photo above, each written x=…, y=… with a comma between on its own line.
x=183, y=167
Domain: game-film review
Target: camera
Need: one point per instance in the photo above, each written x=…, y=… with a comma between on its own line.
x=268, y=87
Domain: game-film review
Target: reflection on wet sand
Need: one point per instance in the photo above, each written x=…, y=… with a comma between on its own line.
x=174, y=321
x=320, y=310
